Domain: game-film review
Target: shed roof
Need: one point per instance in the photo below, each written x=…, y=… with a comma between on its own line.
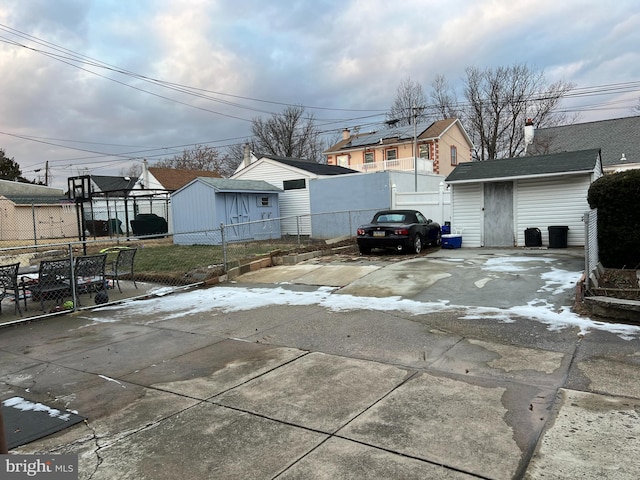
x=231, y=185
x=18, y=199
x=585, y=161
x=613, y=137
x=10, y=187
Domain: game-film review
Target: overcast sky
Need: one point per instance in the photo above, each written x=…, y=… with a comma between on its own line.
x=73, y=91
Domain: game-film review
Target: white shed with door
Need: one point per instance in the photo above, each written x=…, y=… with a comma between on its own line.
x=495, y=201
x=292, y=176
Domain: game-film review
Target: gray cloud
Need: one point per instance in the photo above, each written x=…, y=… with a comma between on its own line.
x=330, y=54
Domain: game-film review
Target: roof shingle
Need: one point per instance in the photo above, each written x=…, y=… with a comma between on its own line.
x=174, y=178
x=613, y=137
x=311, y=166
x=584, y=161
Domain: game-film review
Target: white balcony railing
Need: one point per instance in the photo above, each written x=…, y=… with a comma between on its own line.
x=399, y=164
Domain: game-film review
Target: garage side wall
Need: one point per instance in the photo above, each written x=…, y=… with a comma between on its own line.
x=552, y=202
x=360, y=194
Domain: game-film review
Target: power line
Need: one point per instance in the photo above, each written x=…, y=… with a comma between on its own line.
x=76, y=57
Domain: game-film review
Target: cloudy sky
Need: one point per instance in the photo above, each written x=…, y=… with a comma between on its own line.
x=102, y=84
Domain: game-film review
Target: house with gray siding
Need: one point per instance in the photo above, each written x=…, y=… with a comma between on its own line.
x=495, y=201
x=199, y=207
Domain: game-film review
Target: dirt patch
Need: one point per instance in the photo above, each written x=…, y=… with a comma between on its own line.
x=618, y=283
x=619, y=278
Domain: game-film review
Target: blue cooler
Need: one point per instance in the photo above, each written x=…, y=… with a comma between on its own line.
x=451, y=241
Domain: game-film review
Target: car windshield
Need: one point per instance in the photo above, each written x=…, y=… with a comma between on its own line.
x=391, y=218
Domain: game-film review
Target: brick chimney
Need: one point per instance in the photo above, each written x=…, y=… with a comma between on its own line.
x=529, y=132
x=346, y=133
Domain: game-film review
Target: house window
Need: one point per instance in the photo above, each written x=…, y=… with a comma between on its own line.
x=392, y=154
x=454, y=155
x=368, y=157
x=343, y=161
x=293, y=184
x=264, y=201
x=424, y=151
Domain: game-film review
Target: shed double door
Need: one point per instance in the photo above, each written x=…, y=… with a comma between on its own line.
x=498, y=214
x=237, y=210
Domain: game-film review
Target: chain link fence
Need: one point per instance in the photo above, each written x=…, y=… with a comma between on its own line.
x=591, y=256
x=162, y=261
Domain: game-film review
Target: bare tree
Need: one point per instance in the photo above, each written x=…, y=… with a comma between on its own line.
x=134, y=170
x=410, y=100
x=235, y=152
x=288, y=134
x=443, y=99
x=500, y=100
x=200, y=157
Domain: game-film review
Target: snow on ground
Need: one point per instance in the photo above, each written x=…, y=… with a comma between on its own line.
x=20, y=403
x=234, y=299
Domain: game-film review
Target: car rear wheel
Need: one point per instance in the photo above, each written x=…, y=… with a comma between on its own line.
x=417, y=243
x=438, y=241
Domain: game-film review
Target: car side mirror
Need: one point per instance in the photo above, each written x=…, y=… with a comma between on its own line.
x=429, y=220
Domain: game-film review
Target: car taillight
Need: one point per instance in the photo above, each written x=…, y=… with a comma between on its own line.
x=401, y=231
x=361, y=231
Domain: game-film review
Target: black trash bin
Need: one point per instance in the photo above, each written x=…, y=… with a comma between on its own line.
x=532, y=237
x=148, y=224
x=558, y=236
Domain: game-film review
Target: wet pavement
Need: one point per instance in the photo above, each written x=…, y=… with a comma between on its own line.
x=458, y=364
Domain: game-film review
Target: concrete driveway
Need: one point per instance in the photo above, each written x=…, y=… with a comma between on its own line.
x=458, y=364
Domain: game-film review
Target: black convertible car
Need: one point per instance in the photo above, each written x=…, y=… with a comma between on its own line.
x=400, y=230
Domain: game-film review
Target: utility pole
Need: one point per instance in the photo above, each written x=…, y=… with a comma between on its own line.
x=46, y=173
x=415, y=146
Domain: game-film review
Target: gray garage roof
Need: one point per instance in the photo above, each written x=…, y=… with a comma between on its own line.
x=566, y=163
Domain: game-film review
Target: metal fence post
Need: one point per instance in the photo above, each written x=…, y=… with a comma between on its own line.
x=224, y=247
x=298, y=228
x=74, y=294
x=35, y=228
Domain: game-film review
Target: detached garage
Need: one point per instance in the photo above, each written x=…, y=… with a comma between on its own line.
x=495, y=201
x=203, y=204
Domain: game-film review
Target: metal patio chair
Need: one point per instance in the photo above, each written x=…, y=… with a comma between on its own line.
x=89, y=274
x=122, y=266
x=9, y=285
x=53, y=283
